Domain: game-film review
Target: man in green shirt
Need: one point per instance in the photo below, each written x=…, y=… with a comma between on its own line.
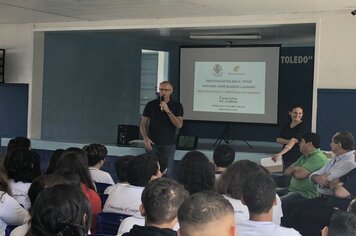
x=300, y=186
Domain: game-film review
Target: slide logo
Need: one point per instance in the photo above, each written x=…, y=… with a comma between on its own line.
x=217, y=70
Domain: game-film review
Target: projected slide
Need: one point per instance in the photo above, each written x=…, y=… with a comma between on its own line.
x=233, y=87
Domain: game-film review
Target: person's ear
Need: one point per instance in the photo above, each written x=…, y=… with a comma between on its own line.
x=142, y=210
x=233, y=230
x=324, y=231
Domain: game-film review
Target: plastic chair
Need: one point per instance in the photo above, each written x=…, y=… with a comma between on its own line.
x=103, y=198
x=109, y=223
x=100, y=187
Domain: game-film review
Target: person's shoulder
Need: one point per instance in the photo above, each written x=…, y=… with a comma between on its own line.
x=286, y=231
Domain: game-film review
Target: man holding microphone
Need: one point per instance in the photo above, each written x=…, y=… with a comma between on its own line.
x=162, y=117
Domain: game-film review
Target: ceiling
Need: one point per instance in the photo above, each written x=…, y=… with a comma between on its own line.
x=49, y=11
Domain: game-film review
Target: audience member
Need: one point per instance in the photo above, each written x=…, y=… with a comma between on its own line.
x=60, y=210
x=206, y=213
x=300, y=186
x=342, y=224
x=161, y=200
x=126, y=198
x=19, y=165
x=53, y=160
x=230, y=185
x=75, y=160
x=11, y=212
x=96, y=154
x=259, y=195
x=223, y=156
x=195, y=172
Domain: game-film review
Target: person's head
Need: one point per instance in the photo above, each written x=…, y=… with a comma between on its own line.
x=96, y=154
x=195, y=172
x=309, y=142
x=19, y=165
x=224, y=155
x=165, y=89
x=161, y=200
x=68, y=176
x=42, y=182
x=296, y=113
x=121, y=167
x=259, y=193
x=4, y=184
x=342, y=142
x=206, y=213
x=341, y=224
x=60, y=210
x=231, y=180
x=53, y=160
x=75, y=160
x=142, y=169
x=19, y=142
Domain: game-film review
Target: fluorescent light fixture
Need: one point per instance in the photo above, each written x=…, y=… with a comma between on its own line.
x=225, y=36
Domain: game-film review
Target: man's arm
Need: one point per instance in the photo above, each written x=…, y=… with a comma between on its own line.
x=143, y=129
x=177, y=121
x=297, y=171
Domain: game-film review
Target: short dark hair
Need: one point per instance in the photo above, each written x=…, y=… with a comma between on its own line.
x=140, y=169
x=203, y=208
x=311, y=137
x=195, y=172
x=18, y=142
x=95, y=153
x=60, y=210
x=19, y=164
x=293, y=106
x=345, y=139
x=231, y=180
x=121, y=167
x=259, y=193
x=224, y=155
x=342, y=224
x=161, y=200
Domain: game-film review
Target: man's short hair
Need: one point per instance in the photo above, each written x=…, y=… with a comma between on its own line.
x=95, y=153
x=313, y=138
x=345, y=139
x=161, y=200
x=140, y=169
x=166, y=82
x=121, y=167
x=259, y=193
x=202, y=208
x=224, y=155
x=342, y=224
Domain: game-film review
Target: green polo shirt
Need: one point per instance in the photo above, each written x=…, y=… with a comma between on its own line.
x=313, y=162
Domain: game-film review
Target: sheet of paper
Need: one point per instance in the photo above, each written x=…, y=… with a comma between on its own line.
x=269, y=162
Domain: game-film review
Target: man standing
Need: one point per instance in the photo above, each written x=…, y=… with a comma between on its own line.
x=164, y=116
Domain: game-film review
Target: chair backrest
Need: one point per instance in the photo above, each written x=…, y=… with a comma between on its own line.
x=109, y=223
x=103, y=198
x=100, y=187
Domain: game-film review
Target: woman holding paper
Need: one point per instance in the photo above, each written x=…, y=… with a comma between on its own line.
x=289, y=137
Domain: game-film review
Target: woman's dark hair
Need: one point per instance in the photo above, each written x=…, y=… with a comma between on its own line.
x=196, y=173
x=95, y=153
x=231, y=180
x=75, y=160
x=292, y=107
x=18, y=142
x=53, y=160
x=19, y=165
x=4, y=184
x=61, y=210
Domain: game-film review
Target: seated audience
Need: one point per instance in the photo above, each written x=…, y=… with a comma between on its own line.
x=60, y=210
x=53, y=160
x=11, y=212
x=161, y=200
x=96, y=154
x=342, y=224
x=126, y=198
x=223, y=156
x=230, y=185
x=195, y=172
x=259, y=195
x=312, y=160
x=19, y=165
x=75, y=160
x=206, y=213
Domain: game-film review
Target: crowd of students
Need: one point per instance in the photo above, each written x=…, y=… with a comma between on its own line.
x=218, y=197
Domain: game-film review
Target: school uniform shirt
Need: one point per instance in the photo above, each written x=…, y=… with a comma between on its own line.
x=19, y=191
x=11, y=212
x=263, y=228
x=100, y=176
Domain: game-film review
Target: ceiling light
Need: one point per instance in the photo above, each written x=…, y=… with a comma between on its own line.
x=225, y=36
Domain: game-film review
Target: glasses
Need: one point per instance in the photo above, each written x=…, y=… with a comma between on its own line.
x=164, y=90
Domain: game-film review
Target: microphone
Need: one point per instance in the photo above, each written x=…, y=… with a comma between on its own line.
x=161, y=98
